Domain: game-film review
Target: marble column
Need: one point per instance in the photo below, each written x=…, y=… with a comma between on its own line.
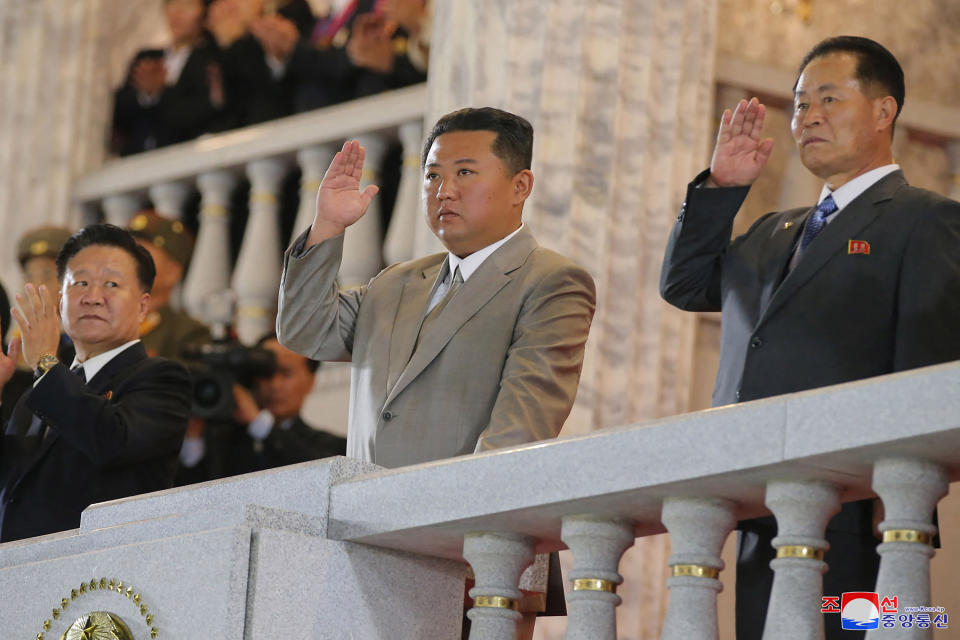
x=597, y=544
x=119, y=209
x=256, y=278
x=408, y=209
x=209, y=272
x=497, y=560
x=802, y=509
x=363, y=241
x=910, y=490
x=169, y=198
x=313, y=163
x=698, y=528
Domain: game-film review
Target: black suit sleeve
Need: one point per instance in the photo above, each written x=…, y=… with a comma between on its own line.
x=928, y=318
x=693, y=261
x=149, y=418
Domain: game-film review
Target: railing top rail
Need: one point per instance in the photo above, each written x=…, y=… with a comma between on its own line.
x=833, y=434
x=282, y=137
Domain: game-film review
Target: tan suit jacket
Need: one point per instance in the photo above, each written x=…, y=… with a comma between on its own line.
x=499, y=368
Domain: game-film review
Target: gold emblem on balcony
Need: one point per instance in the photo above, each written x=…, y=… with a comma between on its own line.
x=98, y=625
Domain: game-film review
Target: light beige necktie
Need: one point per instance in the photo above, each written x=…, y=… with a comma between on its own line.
x=438, y=308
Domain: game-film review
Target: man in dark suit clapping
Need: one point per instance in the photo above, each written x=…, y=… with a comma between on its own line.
x=110, y=425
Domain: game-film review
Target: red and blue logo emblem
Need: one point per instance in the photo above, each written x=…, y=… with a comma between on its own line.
x=859, y=610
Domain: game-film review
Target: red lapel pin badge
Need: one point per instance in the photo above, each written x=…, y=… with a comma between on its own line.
x=858, y=246
x=108, y=395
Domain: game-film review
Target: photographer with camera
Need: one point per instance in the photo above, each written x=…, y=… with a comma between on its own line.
x=265, y=429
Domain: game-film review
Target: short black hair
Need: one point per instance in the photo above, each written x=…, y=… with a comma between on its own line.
x=514, y=141
x=876, y=66
x=108, y=235
x=312, y=365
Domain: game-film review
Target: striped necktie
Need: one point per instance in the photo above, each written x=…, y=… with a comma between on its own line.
x=817, y=221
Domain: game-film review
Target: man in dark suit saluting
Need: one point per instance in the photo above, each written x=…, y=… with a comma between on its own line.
x=865, y=283
x=111, y=425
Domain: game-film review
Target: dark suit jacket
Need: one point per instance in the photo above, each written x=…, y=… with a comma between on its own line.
x=297, y=443
x=113, y=437
x=183, y=112
x=839, y=315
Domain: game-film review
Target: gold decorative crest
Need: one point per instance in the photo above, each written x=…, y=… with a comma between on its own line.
x=98, y=625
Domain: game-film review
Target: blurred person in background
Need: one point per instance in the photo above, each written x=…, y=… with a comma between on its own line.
x=251, y=35
x=267, y=430
x=359, y=48
x=174, y=94
x=167, y=331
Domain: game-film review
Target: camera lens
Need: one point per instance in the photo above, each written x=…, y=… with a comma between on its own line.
x=207, y=393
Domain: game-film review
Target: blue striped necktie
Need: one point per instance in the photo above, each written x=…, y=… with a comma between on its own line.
x=817, y=221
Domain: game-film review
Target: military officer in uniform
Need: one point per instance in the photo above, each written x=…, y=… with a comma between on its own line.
x=167, y=331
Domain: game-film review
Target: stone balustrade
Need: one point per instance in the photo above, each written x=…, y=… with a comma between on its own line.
x=332, y=548
x=265, y=154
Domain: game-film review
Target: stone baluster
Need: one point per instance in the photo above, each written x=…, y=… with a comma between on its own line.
x=119, y=208
x=209, y=272
x=407, y=211
x=256, y=278
x=597, y=544
x=497, y=560
x=802, y=510
x=910, y=490
x=363, y=241
x=170, y=198
x=698, y=528
x=953, y=152
x=313, y=163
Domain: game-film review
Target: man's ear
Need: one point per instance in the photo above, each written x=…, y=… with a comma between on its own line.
x=522, y=185
x=144, y=305
x=885, y=112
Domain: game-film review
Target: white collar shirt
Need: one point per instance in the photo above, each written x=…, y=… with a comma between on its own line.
x=92, y=366
x=468, y=266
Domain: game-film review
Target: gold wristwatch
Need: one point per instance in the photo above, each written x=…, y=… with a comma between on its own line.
x=45, y=362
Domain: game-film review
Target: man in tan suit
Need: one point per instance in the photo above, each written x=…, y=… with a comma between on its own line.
x=474, y=349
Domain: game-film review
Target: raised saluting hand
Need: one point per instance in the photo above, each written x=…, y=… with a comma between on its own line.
x=340, y=202
x=740, y=154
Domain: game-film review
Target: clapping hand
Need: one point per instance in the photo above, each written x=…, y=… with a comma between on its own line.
x=740, y=154
x=340, y=202
x=39, y=321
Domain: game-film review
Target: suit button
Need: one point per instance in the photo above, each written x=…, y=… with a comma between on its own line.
x=756, y=342
x=738, y=395
x=387, y=416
